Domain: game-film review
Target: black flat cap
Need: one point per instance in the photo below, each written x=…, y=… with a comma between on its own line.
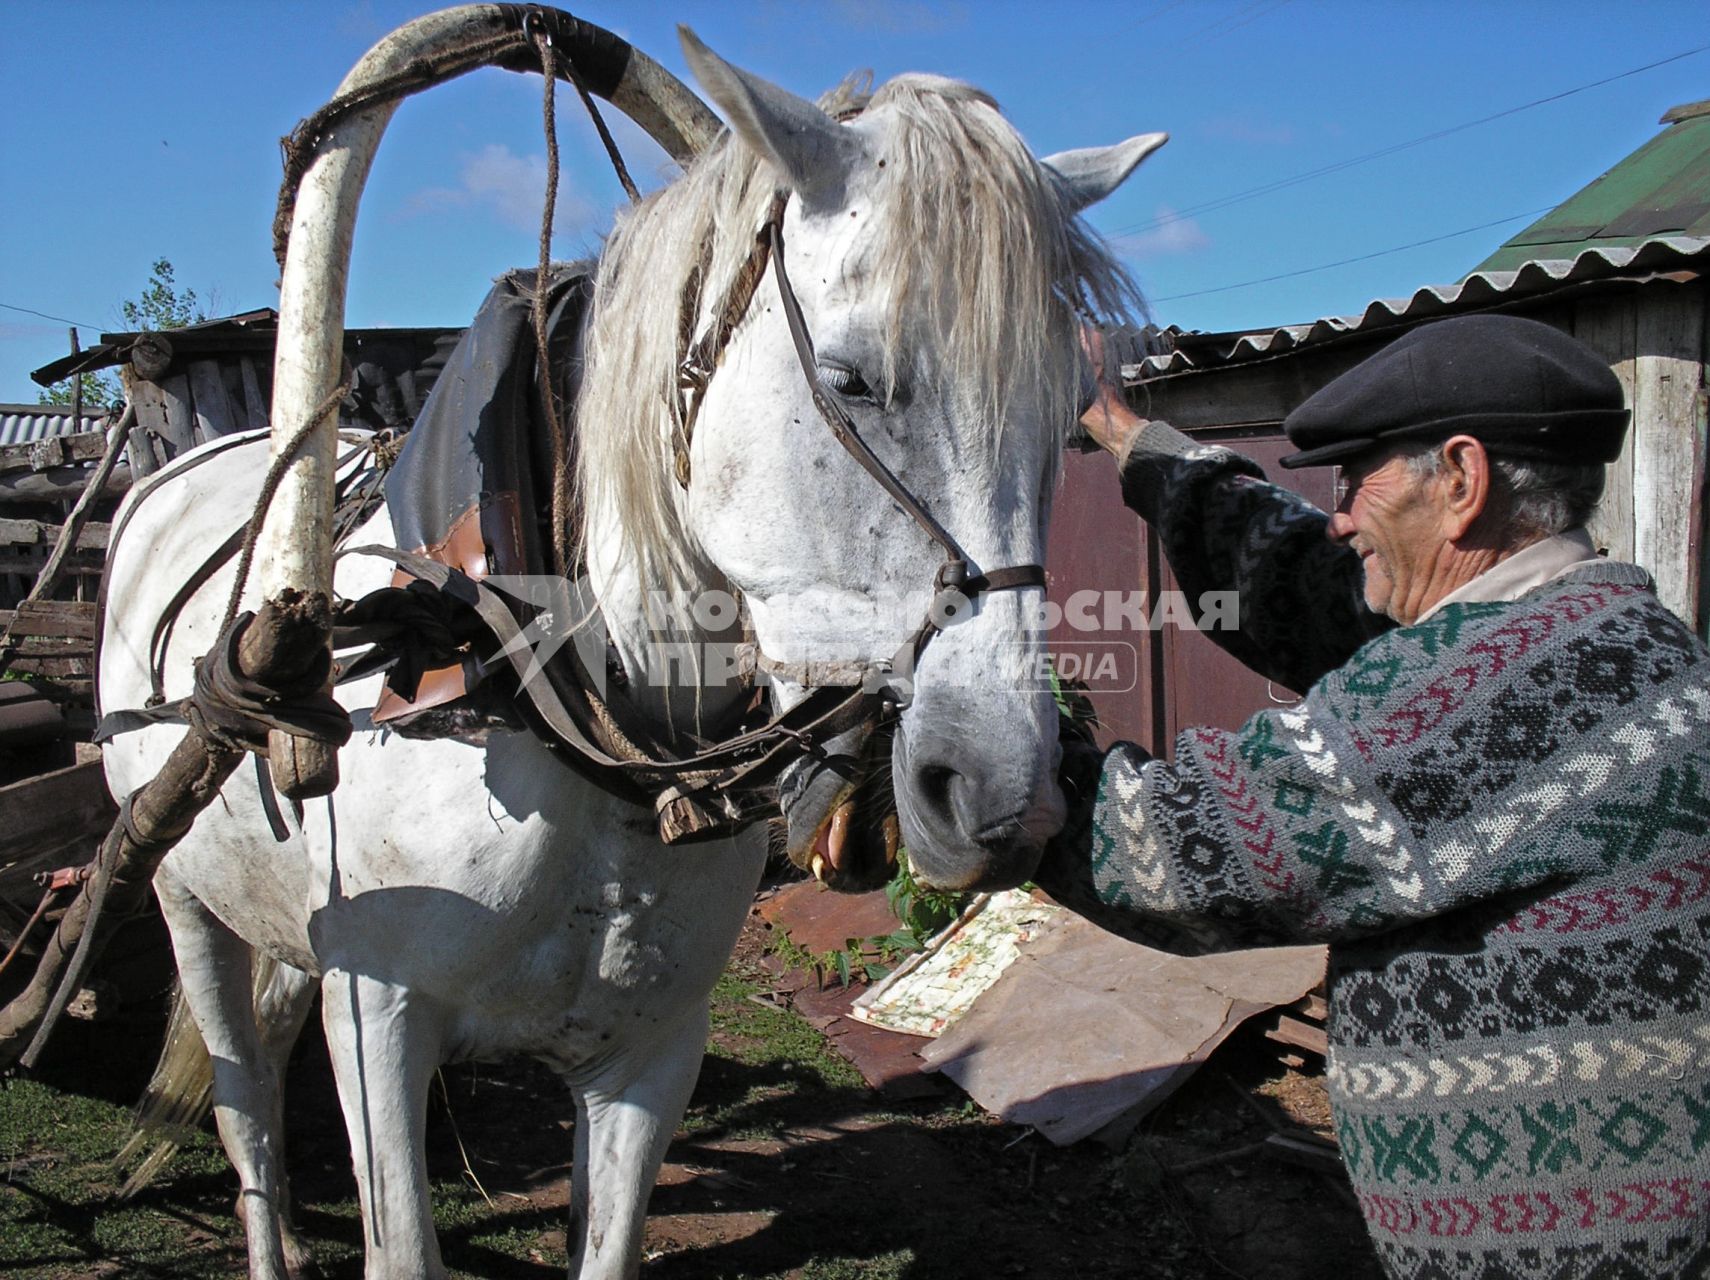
x=1521, y=388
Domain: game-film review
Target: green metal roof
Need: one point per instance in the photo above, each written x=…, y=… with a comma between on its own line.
x=1662, y=189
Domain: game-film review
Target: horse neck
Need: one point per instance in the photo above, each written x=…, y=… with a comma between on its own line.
x=675, y=666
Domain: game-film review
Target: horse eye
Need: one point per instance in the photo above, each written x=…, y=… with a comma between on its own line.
x=846, y=382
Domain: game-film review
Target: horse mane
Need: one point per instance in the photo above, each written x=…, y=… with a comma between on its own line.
x=993, y=262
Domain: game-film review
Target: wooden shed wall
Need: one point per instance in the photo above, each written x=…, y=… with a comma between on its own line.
x=1657, y=340
x=190, y=405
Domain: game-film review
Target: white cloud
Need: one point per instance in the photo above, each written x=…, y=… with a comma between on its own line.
x=510, y=186
x=1171, y=235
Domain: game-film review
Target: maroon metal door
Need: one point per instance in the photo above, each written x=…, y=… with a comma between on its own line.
x=1165, y=677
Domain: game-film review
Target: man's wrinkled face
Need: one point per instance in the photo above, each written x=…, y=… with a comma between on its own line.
x=1388, y=517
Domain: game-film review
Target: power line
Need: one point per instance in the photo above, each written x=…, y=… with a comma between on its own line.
x=1233, y=22
x=45, y=316
x=1153, y=16
x=1364, y=257
x=1280, y=184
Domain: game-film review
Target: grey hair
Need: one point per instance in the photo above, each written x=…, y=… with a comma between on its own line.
x=1539, y=499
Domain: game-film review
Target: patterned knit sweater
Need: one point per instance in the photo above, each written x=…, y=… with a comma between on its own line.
x=1497, y=818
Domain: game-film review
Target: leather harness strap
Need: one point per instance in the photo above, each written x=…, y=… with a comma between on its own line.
x=709, y=790
x=726, y=775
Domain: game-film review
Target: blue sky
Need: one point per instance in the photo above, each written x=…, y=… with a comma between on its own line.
x=140, y=130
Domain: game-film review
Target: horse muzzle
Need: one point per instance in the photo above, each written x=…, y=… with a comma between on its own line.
x=968, y=830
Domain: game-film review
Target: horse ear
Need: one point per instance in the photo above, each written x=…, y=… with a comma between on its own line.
x=1090, y=174
x=812, y=151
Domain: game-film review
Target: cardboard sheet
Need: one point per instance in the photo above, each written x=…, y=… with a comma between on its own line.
x=1084, y=1027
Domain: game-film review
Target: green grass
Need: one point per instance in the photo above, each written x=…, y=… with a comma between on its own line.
x=889, y=1266
x=57, y=1212
x=59, y=1217
x=758, y=1036
x=766, y=1069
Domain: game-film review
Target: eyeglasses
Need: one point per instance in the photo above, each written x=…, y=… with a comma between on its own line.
x=1354, y=473
x=1342, y=488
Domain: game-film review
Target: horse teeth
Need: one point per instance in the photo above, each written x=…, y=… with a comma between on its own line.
x=837, y=837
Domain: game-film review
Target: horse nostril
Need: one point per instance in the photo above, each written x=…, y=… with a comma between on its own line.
x=935, y=783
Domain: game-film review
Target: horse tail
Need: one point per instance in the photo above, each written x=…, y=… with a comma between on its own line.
x=180, y=1093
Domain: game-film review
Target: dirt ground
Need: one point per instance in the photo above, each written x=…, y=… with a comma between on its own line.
x=787, y=1166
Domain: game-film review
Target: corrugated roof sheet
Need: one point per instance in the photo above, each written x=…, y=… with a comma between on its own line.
x=1185, y=351
x=22, y=423
x=1662, y=189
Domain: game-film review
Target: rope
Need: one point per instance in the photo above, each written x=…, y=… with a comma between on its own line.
x=231, y=708
x=612, y=152
x=269, y=486
x=542, y=358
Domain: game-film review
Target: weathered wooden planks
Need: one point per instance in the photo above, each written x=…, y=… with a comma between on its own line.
x=256, y=407
x=1668, y=443
x=215, y=415
x=35, y=533
x=52, y=452
x=180, y=431
x=50, y=821
x=65, y=619
x=86, y=564
x=1608, y=326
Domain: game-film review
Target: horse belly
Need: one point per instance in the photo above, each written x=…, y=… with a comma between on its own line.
x=633, y=955
x=540, y=913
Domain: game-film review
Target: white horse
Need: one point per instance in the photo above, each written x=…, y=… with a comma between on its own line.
x=453, y=901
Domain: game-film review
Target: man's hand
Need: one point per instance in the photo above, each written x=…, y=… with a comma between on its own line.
x=1108, y=419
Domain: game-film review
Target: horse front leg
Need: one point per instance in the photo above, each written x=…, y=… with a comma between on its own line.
x=626, y=1115
x=385, y=1045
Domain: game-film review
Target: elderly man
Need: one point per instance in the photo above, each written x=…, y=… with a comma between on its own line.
x=1492, y=803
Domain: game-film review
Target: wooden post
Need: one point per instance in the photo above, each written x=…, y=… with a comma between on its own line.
x=76, y=387
x=79, y=516
x=1665, y=412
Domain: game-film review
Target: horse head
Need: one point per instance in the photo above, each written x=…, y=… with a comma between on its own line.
x=942, y=273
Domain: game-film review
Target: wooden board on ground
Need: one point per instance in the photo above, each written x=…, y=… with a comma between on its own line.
x=50, y=821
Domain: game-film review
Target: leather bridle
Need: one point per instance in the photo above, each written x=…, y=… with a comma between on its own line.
x=955, y=585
